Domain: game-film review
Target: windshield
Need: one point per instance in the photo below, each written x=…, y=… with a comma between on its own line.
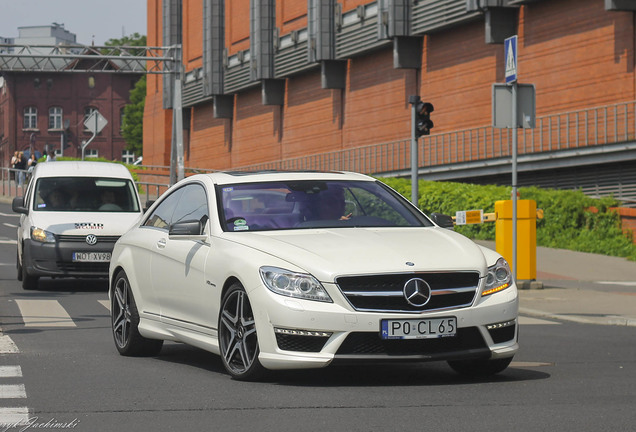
x=85, y=194
x=314, y=204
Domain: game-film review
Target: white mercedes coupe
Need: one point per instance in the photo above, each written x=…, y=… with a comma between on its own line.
x=288, y=270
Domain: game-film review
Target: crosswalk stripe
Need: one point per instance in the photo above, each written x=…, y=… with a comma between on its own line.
x=14, y=416
x=12, y=391
x=10, y=371
x=7, y=346
x=44, y=313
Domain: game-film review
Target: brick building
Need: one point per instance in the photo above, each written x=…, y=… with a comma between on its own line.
x=38, y=108
x=276, y=80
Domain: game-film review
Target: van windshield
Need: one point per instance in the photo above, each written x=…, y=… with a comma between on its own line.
x=85, y=194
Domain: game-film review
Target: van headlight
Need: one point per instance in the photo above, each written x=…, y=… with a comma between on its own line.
x=498, y=278
x=42, y=236
x=291, y=284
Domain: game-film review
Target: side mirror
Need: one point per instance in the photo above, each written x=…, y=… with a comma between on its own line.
x=445, y=221
x=187, y=230
x=18, y=205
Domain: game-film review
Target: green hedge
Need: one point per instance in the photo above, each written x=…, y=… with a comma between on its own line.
x=568, y=222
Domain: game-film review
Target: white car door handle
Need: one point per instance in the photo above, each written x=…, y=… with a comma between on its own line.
x=161, y=243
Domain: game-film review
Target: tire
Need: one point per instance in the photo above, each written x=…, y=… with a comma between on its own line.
x=125, y=322
x=238, y=340
x=18, y=265
x=28, y=282
x=480, y=368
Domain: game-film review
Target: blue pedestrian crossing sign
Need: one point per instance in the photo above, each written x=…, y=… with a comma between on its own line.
x=510, y=49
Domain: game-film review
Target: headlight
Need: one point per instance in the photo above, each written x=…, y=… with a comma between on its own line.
x=42, y=236
x=498, y=278
x=290, y=284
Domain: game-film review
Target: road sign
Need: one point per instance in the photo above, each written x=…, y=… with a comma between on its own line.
x=502, y=106
x=95, y=122
x=510, y=56
x=469, y=217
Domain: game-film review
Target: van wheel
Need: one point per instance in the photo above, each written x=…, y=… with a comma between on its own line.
x=18, y=265
x=28, y=282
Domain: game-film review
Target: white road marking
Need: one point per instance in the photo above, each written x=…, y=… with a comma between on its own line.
x=105, y=303
x=9, y=225
x=12, y=391
x=44, y=313
x=7, y=346
x=618, y=283
x=10, y=214
x=14, y=416
x=8, y=241
x=10, y=371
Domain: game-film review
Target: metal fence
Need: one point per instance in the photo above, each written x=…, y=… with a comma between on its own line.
x=584, y=128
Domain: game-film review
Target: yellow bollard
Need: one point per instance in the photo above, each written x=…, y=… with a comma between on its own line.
x=526, y=236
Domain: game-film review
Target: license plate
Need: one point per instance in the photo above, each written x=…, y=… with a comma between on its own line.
x=91, y=256
x=418, y=328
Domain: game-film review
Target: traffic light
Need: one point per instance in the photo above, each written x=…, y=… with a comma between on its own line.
x=424, y=122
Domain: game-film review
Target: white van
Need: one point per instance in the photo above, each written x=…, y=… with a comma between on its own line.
x=72, y=215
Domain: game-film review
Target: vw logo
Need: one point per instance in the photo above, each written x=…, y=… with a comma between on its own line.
x=91, y=239
x=417, y=292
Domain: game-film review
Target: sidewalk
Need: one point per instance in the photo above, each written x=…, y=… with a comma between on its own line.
x=581, y=287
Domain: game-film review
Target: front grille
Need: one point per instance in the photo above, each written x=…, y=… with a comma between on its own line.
x=385, y=292
x=82, y=238
x=301, y=343
x=98, y=268
x=370, y=344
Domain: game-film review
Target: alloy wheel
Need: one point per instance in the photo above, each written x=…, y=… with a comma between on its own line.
x=239, y=344
x=121, y=313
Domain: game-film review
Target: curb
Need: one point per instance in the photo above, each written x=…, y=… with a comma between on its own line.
x=613, y=320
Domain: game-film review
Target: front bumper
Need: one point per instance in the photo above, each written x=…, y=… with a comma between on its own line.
x=56, y=259
x=305, y=334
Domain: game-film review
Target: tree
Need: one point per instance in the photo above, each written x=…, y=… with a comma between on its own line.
x=133, y=121
x=133, y=127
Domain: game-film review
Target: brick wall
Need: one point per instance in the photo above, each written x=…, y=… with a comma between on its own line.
x=577, y=54
x=628, y=220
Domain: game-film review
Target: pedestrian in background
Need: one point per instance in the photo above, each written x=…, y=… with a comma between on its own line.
x=21, y=166
x=14, y=160
x=33, y=161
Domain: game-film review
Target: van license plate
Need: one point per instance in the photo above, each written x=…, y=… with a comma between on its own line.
x=418, y=328
x=91, y=256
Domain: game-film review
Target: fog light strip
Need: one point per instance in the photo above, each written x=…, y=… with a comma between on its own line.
x=500, y=325
x=296, y=332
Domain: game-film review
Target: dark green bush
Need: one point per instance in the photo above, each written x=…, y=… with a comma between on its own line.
x=569, y=222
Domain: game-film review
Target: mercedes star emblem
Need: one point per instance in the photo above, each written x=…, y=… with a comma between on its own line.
x=417, y=292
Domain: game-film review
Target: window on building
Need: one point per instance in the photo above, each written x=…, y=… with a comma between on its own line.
x=91, y=82
x=55, y=118
x=127, y=157
x=30, y=118
x=91, y=153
